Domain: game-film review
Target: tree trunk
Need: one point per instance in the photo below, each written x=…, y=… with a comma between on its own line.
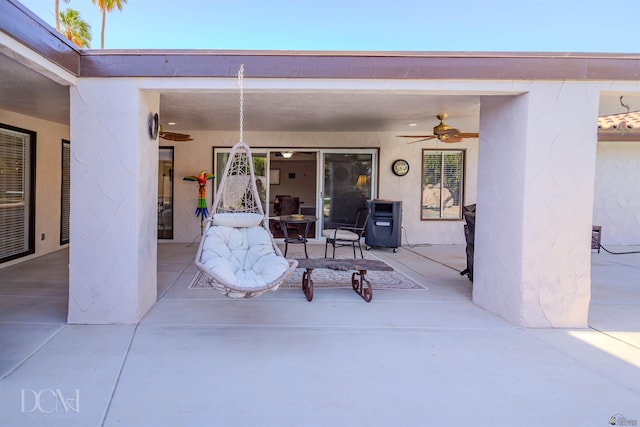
x=57, y=12
x=104, y=16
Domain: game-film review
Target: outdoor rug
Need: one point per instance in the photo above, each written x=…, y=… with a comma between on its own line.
x=325, y=278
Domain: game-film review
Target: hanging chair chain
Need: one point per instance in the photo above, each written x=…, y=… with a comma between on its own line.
x=241, y=84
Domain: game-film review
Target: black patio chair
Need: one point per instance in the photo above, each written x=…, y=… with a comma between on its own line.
x=340, y=234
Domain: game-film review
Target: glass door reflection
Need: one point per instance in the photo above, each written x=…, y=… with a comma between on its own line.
x=347, y=185
x=165, y=193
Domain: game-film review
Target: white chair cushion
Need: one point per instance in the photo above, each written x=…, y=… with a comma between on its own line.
x=237, y=219
x=331, y=233
x=243, y=257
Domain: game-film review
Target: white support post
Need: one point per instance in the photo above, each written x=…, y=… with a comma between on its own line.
x=534, y=209
x=113, y=248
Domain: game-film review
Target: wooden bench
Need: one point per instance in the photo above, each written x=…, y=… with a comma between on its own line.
x=359, y=282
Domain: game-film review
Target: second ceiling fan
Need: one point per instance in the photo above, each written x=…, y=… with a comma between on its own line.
x=443, y=132
x=173, y=136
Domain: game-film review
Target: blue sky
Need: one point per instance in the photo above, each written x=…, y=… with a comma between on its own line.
x=367, y=25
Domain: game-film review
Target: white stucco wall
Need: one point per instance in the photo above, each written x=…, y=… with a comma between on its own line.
x=616, y=196
x=114, y=164
x=49, y=136
x=533, y=223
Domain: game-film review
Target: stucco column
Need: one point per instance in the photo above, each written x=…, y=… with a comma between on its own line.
x=113, y=227
x=534, y=207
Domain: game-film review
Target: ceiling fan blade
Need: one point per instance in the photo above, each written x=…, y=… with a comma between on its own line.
x=467, y=135
x=415, y=136
x=451, y=139
x=172, y=136
x=424, y=138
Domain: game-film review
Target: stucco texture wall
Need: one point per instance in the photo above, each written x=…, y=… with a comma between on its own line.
x=616, y=196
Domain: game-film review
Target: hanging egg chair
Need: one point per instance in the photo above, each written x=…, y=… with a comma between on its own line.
x=238, y=255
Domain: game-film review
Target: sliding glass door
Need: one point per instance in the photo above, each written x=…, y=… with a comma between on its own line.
x=330, y=183
x=348, y=182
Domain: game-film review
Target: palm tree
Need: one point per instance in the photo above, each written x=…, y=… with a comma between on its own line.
x=107, y=6
x=75, y=29
x=57, y=14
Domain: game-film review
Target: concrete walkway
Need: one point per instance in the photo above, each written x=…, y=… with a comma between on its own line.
x=408, y=358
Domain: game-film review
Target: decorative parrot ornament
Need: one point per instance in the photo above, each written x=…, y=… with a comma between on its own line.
x=201, y=179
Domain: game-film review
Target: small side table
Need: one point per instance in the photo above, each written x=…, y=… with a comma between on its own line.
x=307, y=220
x=596, y=233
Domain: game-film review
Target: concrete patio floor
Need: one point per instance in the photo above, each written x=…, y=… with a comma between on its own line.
x=408, y=358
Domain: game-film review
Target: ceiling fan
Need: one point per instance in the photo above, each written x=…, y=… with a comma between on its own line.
x=443, y=132
x=172, y=136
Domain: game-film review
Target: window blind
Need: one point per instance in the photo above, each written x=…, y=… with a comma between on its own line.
x=442, y=184
x=452, y=180
x=15, y=192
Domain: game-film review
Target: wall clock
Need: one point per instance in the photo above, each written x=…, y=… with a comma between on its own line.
x=400, y=167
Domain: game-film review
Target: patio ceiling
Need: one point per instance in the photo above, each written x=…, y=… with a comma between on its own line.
x=314, y=112
x=28, y=92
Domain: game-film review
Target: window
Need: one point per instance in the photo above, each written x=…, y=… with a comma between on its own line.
x=17, y=192
x=65, y=190
x=442, y=184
